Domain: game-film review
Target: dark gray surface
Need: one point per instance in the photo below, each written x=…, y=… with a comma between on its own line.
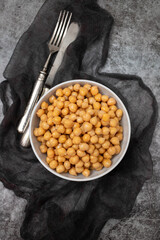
x=134, y=49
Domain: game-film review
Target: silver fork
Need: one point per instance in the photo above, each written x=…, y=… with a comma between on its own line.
x=54, y=45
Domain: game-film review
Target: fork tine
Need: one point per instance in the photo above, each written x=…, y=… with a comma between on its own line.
x=64, y=28
x=59, y=28
x=55, y=30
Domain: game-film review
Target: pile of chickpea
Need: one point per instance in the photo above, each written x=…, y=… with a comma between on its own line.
x=79, y=130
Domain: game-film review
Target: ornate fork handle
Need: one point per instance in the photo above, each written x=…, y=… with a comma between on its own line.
x=33, y=100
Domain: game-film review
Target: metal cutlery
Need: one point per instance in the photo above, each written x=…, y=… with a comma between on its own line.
x=54, y=46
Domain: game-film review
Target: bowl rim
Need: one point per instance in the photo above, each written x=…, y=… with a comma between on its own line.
x=110, y=168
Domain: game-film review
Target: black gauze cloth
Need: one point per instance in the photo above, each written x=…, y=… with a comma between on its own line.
x=58, y=209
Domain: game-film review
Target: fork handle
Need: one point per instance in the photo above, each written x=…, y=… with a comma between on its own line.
x=24, y=141
x=33, y=100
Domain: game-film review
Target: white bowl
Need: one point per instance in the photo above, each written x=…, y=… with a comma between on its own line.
x=125, y=122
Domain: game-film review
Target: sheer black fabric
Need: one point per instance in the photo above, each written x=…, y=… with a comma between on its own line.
x=58, y=209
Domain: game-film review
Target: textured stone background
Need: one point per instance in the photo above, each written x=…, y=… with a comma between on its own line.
x=134, y=49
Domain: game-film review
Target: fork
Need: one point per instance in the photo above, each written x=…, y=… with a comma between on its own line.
x=53, y=45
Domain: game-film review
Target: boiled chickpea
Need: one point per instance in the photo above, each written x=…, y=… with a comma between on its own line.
x=87, y=126
x=115, y=140
x=53, y=164
x=53, y=142
x=85, y=158
x=94, y=90
x=87, y=164
x=57, y=120
x=66, y=104
x=43, y=148
x=94, y=120
x=107, y=155
x=105, y=108
x=88, y=86
x=47, y=135
x=86, y=117
x=96, y=105
x=61, y=129
x=91, y=149
x=83, y=91
x=86, y=137
x=72, y=99
x=80, y=153
x=113, y=123
x=101, y=150
x=48, y=144
x=60, y=168
x=59, y=92
x=68, y=130
x=44, y=105
x=67, y=92
x=73, y=160
x=62, y=139
x=67, y=165
x=111, y=101
x=113, y=108
x=61, y=152
x=120, y=136
x=79, y=164
x=86, y=172
x=76, y=87
x=79, y=119
x=50, y=152
x=73, y=117
x=72, y=171
x=106, y=117
x=76, y=125
x=75, y=146
x=119, y=113
x=79, y=169
x=48, y=160
x=100, y=158
x=56, y=112
x=98, y=97
x=80, y=97
x=101, y=140
x=96, y=165
x=50, y=121
x=113, y=130
x=71, y=151
x=83, y=146
x=76, y=140
x=41, y=130
x=111, y=150
x=36, y=132
x=40, y=112
x=90, y=111
x=105, y=130
x=95, y=153
x=98, y=131
x=106, y=144
x=105, y=98
x=84, y=104
x=118, y=149
x=41, y=139
x=61, y=159
x=51, y=99
x=43, y=117
x=79, y=102
x=93, y=159
x=68, y=123
x=65, y=111
x=94, y=139
x=111, y=113
x=55, y=134
x=107, y=163
x=73, y=107
x=77, y=131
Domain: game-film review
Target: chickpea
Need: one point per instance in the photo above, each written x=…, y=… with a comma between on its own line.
x=53, y=142
x=80, y=153
x=86, y=137
x=111, y=101
x=100, y=158
x=111, y=113
x=76, y=125
x=94, y=120
x=79, y=102
x=90, y=111
x=98, y=131
x=101, y=140
x=101, y=150
x=72, y=171
x=36, y=132
x=60, y=168
x=48, y=144
x=94, y=90
x=41, y=139
x=92, y=100
x=56, y=112
x=79, y=169
x=86, y=117
x=51, y=99
x=97, y=145
x=66, y=104
x=83, y=146
x=84, y=104
x=79, y=119
x=50, y=152
x=105, y=130
x=95, y=153
x=96, y=165
x=72, y=107
x=72, y=135
x=65, y=111
x=113, y=130
x=80, y=97
x=106, y=117
x=86, y=172
x=113, y=108
x=71, y=151
x=53, y=164
x=98, y=97
x=85, y=158
x=91, y=149
x=48, y=160
x=119, y=136
x=118, y=149
x=68, y=130
x=61, y=129
x=88, y=86
x=106, y=144
x=67, y=92
x=43, y=148
x=87, y=126
x=55, y=134
x=75, y=146
x=105, y=108
x=79, y=164
x=40, y=112
x=83, y=91
x=113, y=123
x=107, y=155
x=61, y=159
x=57, y=120
x=119, y=113
x=107, y=163
x=61, y=152
x=67, y=165
x=93, y=159
x=47, y=135
x=68, y=123
x=76, y=140
x=87, y=164
x=96, y=105
x=115, y=140
x=73, y=160
x=73, y=117
x=81, y=113
x=43, y=117
x=76, y=87
x=44, y=105
x=94, y=139
x=105, y=98
x=62, y=139
x=77, y=131
x=72, y=99
x=59, y=92
x=111, y=150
